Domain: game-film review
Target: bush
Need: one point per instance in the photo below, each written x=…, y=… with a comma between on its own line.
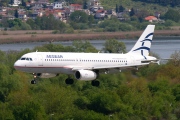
x=55, y=31
x=69, y=30
x=169, y=23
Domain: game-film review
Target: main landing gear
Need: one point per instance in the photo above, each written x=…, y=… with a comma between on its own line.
x=95, y=83
x=69, y=81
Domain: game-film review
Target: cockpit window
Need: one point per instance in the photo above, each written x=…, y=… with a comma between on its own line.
x=28, y=59
x=23, y=58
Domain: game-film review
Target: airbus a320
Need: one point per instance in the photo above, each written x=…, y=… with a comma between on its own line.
x=87, y=66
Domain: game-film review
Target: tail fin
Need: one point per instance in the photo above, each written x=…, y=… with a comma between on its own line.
x=143, y=44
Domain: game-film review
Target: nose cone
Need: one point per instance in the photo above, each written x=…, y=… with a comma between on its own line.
x=17, y=65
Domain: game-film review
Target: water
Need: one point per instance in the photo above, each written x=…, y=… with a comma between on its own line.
x=164, y=48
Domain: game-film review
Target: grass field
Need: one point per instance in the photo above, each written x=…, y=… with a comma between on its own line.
x=39, y=36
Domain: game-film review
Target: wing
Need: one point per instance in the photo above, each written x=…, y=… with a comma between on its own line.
x=75, y=68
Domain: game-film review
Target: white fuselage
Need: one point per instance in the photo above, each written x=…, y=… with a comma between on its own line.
x=59, y=62
x=87, y=66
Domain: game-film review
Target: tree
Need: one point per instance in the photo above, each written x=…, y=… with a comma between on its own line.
x=25, y=26
x=132, y=12
x=85, y=5
x=16, y=13
x=90, y=19
x=16, y=22
x=85, y=46
x=23, y=3
x=142, y=14
x=11, y=2
x=32, y=23
x=29, y=111
x=176, y=58
x=79, y=17
x=113, y=46
x=5, y=113
x=172, y=15
x=117, y=10
x=49, y=23
x=121, y=8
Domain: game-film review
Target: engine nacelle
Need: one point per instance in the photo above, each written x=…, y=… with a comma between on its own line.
x=46, y=75
x=86, y=75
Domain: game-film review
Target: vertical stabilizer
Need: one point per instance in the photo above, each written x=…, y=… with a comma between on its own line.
x=143, y=44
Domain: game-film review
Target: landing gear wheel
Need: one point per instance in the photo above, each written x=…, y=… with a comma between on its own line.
x=35, y=78
x=95, y=83
x=69, y=81
x=33, y=81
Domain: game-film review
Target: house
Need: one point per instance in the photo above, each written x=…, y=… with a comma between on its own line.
x=37, y=6
x=87, y=11
x=58, y=5
x=22, y=16
x=60, y=15
x=34, y=15
x=100, y=14
x=74, y=7
x=44, y=2
x=3, y=9
x=31, y=1
x=94, y=3
x=123, y=16
x=8, y=17
x=67, y=13
x=16, y=3
x=57, y=13
x=151, y=19
x=157, y=14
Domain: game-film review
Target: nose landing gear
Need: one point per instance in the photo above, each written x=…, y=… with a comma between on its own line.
x=34, y=80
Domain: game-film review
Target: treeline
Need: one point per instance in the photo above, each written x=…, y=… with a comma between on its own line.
x=79, y=20
x=162, y=2
x=135, y=22
x=152, y=92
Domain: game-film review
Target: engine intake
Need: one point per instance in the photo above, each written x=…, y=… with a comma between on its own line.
x=86, y=75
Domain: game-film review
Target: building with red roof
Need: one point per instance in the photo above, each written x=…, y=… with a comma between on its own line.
x=74, y=7
x=151, y=18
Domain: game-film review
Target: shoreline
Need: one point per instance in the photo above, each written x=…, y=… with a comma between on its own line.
x=7, y=37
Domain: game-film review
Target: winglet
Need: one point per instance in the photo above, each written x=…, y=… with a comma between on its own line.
x=143, y=44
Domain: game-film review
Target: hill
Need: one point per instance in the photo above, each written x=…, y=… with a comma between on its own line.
x=128, y=4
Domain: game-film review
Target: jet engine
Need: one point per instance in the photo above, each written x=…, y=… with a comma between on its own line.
x=86, y=75
x=46, y=75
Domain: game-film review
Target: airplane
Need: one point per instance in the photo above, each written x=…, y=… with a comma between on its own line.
x=87, y=66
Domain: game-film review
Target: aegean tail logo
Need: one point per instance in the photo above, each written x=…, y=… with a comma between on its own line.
x=142, y=48
x=143, y=41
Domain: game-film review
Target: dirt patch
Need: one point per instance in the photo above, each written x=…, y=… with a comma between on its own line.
x=41, y=36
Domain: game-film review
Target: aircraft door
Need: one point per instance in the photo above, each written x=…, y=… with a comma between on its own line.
x=132, y=60
x=40, y=60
